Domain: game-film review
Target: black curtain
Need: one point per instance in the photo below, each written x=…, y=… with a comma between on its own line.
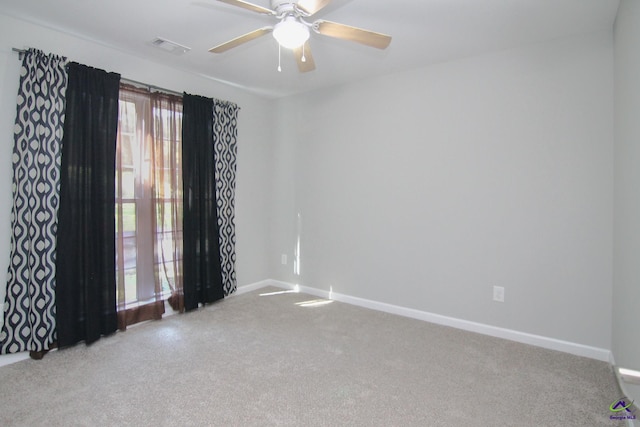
x=85, y=264
x=201, y=247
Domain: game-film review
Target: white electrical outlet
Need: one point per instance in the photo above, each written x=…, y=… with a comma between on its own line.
x=498, y=293
x=283, y=259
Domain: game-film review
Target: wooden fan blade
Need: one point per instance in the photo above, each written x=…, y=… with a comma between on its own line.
x=249, y=6
x=346, y=32
x=312, y=6
x=308, y=64
x=240, y=40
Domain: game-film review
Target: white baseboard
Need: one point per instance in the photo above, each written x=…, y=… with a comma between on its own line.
x=509, y=334
x=252, y=287
x=8, y=359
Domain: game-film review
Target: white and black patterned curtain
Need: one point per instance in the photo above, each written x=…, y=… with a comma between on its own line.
x=29, y=308
x=225, y=148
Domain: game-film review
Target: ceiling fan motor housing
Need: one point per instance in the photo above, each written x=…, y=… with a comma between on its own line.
x=284, y=7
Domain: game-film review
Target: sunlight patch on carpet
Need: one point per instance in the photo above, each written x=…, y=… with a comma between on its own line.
x=290, y=291
x=314, y=303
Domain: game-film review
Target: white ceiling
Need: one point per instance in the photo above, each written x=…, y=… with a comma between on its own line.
x=424, y=32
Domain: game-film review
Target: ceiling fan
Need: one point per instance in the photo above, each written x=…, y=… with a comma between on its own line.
x=292, y=30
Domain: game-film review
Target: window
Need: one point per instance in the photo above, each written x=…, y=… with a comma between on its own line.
x=148, y=202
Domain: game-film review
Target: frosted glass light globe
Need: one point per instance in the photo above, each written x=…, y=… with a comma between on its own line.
x=291, y=33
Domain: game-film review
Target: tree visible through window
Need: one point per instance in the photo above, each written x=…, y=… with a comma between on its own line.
x=148, y=204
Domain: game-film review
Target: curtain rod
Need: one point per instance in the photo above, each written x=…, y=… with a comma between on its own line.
x=150, y=87
x=21, y=52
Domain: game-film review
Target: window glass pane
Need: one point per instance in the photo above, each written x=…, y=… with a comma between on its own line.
x=127, y=148
x=128, y=183
x=166, y=183
x=163, y=216
x=130, y=252
x=167, y=242
x=128, y=218
x=166, y=274
x=131, y=290
x=127, y=116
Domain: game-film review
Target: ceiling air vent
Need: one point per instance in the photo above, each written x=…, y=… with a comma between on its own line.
x=169, y=46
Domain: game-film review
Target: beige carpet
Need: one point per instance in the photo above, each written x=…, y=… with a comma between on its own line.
x=260, y=360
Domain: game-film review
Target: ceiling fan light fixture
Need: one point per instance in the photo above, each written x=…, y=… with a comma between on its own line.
x=291, y=33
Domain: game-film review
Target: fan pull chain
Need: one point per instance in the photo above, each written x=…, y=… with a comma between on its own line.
x=303, y=59
x=279, y=56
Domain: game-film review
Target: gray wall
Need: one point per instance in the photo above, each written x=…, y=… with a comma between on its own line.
x=626, y=284
x=425, y=189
